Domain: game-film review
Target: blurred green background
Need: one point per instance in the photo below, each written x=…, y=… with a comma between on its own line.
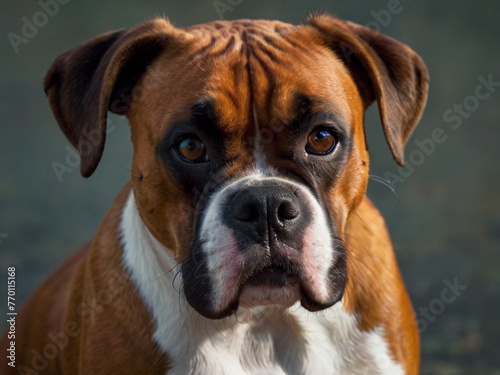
x=445, y=224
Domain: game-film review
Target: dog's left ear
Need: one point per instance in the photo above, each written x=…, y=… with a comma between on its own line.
x=384, y=70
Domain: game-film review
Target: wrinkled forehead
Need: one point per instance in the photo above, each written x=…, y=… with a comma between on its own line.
x=263, y=70
x=255, y=71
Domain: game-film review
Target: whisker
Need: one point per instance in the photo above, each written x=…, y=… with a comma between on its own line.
x=173, y=280
x=385, y=182
x=173, y=268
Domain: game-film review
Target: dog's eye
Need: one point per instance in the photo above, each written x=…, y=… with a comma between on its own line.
x=321, y=141
x=192, y=150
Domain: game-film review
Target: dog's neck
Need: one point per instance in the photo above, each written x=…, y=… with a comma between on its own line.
x=267, y=340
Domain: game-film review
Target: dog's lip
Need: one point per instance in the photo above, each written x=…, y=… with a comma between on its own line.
x=272, y=285
x=273, y=277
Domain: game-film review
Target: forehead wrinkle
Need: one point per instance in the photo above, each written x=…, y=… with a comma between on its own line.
x=231, y=49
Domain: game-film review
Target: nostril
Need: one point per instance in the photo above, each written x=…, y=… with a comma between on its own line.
x=244, y=206
x=265, y=206
x=245, y=212
x=288, y=211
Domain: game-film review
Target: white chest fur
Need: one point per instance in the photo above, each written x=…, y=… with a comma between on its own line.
x=265, y=341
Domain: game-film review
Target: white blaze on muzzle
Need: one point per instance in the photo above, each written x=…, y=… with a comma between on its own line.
x=227, y=254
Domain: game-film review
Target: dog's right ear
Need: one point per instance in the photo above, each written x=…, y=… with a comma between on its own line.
x=86, y=81
x=385, y=70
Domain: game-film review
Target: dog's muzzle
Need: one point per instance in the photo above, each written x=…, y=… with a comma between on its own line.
x=263, y=241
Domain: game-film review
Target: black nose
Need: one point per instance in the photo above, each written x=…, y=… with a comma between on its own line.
x=264, y=211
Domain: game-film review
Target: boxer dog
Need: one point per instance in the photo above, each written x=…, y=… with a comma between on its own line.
x=244, y=242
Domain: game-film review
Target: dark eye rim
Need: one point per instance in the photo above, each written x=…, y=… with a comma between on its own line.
x=200, y=160
x=336, y=135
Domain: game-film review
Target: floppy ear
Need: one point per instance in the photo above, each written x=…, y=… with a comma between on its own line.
x=384, y=70
x=86, y=81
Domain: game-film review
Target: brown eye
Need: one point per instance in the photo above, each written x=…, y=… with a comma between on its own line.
x=321, y=141
x=192, y=150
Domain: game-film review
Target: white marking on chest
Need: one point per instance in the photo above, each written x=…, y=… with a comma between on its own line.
x=261, y=341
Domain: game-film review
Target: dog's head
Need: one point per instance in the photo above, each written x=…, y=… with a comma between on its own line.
x=249, y=146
